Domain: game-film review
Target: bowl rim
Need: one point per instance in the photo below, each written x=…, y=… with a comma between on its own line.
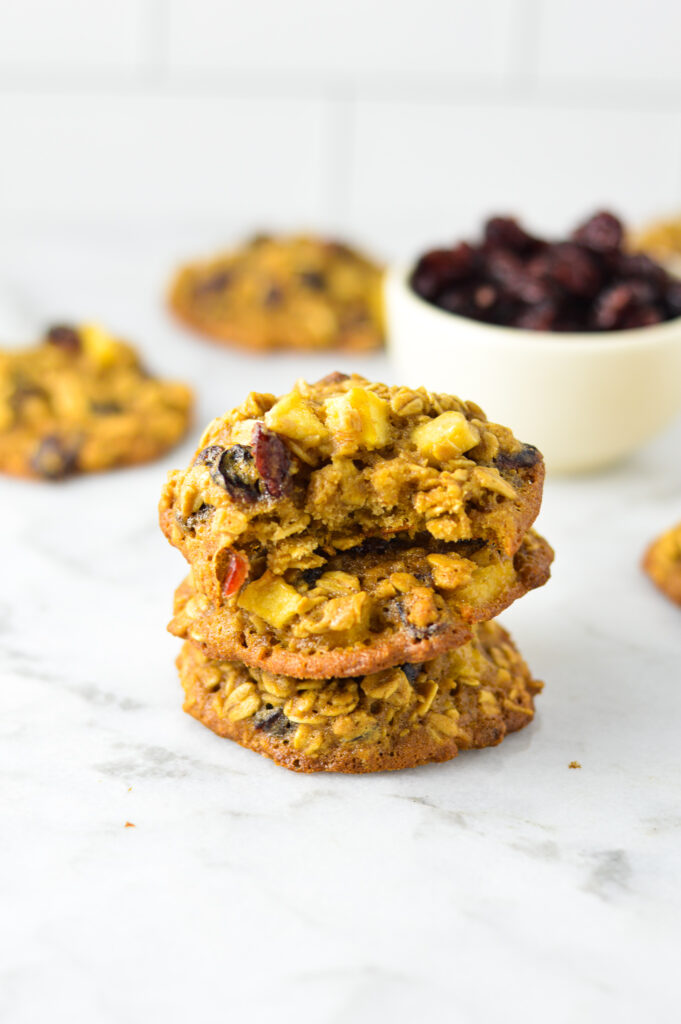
x=631, y=337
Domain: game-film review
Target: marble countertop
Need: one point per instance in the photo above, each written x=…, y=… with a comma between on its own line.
x=500, y=885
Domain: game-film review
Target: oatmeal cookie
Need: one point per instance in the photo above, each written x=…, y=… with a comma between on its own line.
x=396, y=718
x=286, y=484
x=662, y=562
x=284, y=293
x=366, y=609
x=661, y=240
x=80, y=402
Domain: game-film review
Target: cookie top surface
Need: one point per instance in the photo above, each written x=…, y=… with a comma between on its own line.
x=367, y=609
x=80, y=402
x=396, y=718
x=662, y=562
x=295, y=292
x=288, y=483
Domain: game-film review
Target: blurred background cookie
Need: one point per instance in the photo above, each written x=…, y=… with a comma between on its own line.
x=297, y=292
x=81, y=401
x=662, y=562
x=661, y=239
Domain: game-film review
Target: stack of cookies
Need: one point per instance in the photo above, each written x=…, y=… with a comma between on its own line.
x=349, y=546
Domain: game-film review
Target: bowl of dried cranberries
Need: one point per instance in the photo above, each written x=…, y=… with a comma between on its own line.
x=575, y=344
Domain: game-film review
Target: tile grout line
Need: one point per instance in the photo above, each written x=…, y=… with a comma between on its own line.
x=523, y=63
x=477, y=91
x=155, y=40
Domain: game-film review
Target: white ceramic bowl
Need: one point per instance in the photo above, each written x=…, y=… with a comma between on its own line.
x=585, y=400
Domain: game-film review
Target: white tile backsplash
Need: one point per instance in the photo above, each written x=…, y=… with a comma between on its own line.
x=72, y=35
x=427, y=172
x=617, y=41
x=347, y=39
x=127, y=157
x=395, y=121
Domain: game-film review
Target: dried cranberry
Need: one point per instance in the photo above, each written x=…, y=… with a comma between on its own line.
x=641, y=316
x=105, y=408
x=246, y=472
x=602, y=233
x=584, y=284
x=202, y=513
x=485, y=296
x=55, y=458
x=611, y=305
x=63, y=337
x=237, y=571
x=310, y=576
x=489, y=303
x=23, y=391
x=273, y=297
x=627, y=304
x=233, y=469
x=373, y=545
x=208, y=455
x=334, y=378
x=460, y=301
x=644, y=293
x=509, y=271
x=526, y=458
x=339, y=248
x=462, y=262
x=313, y=279
x=441, y=267
x=572, y=317
x=272, y=460
x=273, y=721
x=572, y=268
x=506, y=233
x=354, y=317
x=216, y=282
x=412, y=672
x=638, y=265
x=415, y=632
x=673, y=297
x=541, y=317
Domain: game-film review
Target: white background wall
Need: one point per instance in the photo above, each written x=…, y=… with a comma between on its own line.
x=396, y=122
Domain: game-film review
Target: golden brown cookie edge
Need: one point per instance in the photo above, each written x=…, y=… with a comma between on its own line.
x=411, y=751
x=669, y=582
x=533, y=572
x=232, y=334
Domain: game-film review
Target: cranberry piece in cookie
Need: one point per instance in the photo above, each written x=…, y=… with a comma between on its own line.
x=272, y=460
x=65, y=338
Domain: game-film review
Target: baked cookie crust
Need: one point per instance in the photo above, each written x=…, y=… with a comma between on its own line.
x=298, y=292
x=81, y=402
x=376, y=610
x=283, y=485
x=401, y=717
x=662, y=562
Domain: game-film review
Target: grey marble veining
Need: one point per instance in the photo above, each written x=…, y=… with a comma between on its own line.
x=503, y=884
